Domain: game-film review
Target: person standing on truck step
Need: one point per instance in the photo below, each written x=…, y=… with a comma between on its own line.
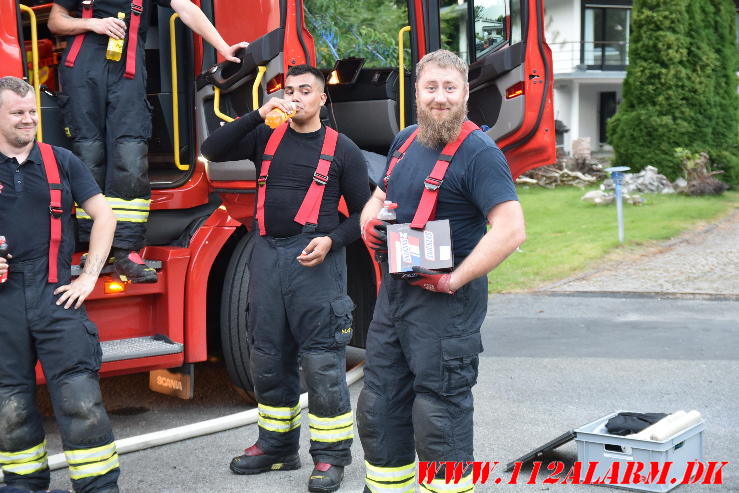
x=298, y=303
x=106, y=112
x=42, y=317
x=424, y=339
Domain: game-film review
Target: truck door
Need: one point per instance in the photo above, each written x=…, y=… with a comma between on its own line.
x=510, y=73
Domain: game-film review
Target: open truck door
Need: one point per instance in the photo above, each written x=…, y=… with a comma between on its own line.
x=510, y=75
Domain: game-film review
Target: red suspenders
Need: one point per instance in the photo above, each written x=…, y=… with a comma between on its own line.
x=55, y=207
x=137, y=9
x=77, y=43
x=309, y=209
x=427, y=205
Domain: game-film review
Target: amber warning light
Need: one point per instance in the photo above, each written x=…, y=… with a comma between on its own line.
x=514, y=91
x=112, y=287
x=275, y=83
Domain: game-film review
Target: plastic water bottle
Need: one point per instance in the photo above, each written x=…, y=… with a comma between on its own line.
x=387, y=213
x=277, y=117
x=115, y=46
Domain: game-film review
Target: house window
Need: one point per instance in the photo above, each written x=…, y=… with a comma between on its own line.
x=605, y=37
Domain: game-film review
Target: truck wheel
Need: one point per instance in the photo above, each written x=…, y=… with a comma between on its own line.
x=234, y=342
x=362, y=290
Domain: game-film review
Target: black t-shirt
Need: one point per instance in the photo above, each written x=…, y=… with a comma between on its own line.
x=24, y=202
x=478, y=179
x=291, y=173
x=110, y=8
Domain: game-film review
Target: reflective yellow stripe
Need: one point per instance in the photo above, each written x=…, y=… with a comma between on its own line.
x=332, y=435
x=440, y=485
x=95, y=468
x=81, y=214
x=23, y=455
x=89, y=455
x=279, y=426
x=279, y=412
x=377, y=473
x=131, y=216
x=137, y=204
x=28, y=467
x=334, y=423
x=404, y=487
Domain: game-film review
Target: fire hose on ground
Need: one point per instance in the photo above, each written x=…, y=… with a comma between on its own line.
x=194, y=430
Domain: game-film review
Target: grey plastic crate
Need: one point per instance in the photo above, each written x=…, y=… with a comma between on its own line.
x=594, y=444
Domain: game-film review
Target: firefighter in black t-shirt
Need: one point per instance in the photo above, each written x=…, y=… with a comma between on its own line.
x=298, y=304
x=42, y=317
x=106, y=112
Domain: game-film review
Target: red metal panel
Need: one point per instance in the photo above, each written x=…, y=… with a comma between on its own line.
x=420, y=28
x=238, y=22
x=11, y=61
x=205, y=247
x=191, y=194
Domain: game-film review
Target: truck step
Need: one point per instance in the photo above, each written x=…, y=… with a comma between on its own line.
x=139, y=347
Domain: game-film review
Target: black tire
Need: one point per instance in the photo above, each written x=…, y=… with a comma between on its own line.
x=362, y=289
x=234, y=340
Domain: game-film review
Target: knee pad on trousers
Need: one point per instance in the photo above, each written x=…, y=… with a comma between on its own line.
x=130, y=164
x=18, y=429
x=92, y=153
x=269, y=381
x=324, y=375
x=81, y=406
x=443, y=430
x=370, y=413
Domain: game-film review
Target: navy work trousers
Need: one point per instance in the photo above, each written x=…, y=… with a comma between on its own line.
x=421, y=364
x=33, y=327
x=300, y=315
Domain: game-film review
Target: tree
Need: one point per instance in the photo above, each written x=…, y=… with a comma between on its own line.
x=344, y=28
x=680, y=89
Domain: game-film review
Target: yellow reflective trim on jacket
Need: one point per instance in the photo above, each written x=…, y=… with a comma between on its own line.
x=138, y=204
x=81, y=214
x=90, y=454
x=94, y=468
x=23, y=455
x=131, y=216
x=334, y=423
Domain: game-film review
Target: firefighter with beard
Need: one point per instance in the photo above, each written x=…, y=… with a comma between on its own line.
x=106, y=112
x=424, y=339
x=42, y=317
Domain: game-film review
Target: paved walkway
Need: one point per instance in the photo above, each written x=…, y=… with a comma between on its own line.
x=705, y=261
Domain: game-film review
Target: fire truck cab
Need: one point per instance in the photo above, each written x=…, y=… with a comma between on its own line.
x=200, y=227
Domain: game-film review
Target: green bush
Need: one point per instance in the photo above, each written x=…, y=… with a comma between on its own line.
x=680, y=87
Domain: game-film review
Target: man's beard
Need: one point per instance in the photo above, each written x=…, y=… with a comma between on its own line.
x=437, y=133
x=17, y=139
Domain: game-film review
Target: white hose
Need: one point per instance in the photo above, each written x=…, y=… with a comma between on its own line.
x=194, y=430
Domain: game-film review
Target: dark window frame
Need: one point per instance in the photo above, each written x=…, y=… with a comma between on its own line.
x=603, y=5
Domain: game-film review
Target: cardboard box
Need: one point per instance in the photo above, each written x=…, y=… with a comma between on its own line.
x=430, y=248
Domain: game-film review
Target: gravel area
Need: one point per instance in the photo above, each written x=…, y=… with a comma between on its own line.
x=703, y=261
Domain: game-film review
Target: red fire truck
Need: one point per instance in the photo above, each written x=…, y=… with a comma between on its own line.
x=199, y=231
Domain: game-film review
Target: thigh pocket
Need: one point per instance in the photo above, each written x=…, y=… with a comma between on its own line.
x=95, y=350
x=341, y=310
x=459, y=362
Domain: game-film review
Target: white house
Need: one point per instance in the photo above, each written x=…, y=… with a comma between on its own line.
x=589, y=41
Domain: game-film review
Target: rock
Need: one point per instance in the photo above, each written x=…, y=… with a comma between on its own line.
x=647, y=180
x=681, y=185
x=598, y=197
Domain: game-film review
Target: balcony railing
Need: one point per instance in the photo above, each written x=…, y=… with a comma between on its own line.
x=570, y=56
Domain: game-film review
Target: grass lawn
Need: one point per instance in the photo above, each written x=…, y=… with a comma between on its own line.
x=566, y=235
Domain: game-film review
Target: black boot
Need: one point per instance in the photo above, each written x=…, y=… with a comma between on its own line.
x=325, y=478
x=255, y=461
x=130, y=267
